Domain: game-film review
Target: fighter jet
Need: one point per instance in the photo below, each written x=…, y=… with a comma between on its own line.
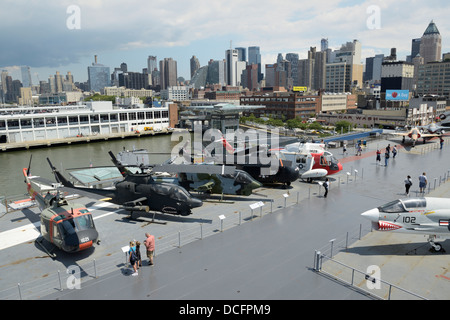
x=428, y=216
x=414, y=134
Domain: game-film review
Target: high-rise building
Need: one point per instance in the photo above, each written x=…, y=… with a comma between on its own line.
x=152, y=64
x=430, y=44
x=242, y=54
x=270, y=74
x=4, y=88
x=251, y=76
x=432, y=79
x=373, y=69
x=26, y=76
x=231, y=57
x=350, y=55
x=195, y=65
x=133, y=80
x=415, y=49
x=397, y=75
x=293, y=59
x=323, y=44
x=98, y=76
x=168, y=73
x=216, y=72
x=58, y=82
x=254, y=57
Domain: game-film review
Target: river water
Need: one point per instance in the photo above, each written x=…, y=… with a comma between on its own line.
x=73, y=156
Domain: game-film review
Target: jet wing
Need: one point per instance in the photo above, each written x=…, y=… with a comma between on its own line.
x=429, y=135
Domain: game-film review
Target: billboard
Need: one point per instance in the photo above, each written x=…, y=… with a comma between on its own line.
x=301, y=89
x=397, y=95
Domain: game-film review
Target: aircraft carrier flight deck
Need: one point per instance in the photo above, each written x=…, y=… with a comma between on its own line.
x=260, y=247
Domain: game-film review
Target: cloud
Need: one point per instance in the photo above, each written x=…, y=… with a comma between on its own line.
x=38, y=35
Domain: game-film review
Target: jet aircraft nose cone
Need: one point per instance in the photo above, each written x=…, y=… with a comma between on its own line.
x=372, y=215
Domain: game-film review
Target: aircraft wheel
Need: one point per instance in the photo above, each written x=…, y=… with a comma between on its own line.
x=437, y=247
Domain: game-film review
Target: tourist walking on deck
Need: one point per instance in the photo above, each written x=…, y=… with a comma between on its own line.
x=388, y=149
x=359, y=150
x=408, y=184
x=326, y=185
x=394, y=151
x=138, y=254
x=378, y=156
x=150, y=246
x=133, y=257
x=386, y=157
x=423, y=182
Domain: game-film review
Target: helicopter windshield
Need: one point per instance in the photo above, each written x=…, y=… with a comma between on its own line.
x=242, y=177
x=84, y=222
x=179, y=194
x=73, y=225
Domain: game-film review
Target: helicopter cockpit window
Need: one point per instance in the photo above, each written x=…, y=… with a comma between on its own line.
x=84, y=222
x=161, y=188
x=179, y=194
x=323, y=161
x=392, y=207
x=415, y=203
x=242, y=177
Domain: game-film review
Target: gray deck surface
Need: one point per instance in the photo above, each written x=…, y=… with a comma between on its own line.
x=271, y=257
x=268, y=258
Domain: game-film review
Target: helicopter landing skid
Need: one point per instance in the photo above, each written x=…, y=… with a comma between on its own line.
x=39, y=241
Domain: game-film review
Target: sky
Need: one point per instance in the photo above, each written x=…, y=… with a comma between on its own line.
x=65, y=35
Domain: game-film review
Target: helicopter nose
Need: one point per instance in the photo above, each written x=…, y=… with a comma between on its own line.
x=195, y=203
x=255, y=184
x=294, y=174
x=372, y=214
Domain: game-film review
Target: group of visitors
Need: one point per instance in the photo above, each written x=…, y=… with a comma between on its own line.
x=135, y=254
x=387, y=154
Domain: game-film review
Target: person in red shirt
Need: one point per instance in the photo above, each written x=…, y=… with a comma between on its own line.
x=150, y=246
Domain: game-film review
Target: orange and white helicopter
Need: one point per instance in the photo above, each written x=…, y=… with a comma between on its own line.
x=313, y=161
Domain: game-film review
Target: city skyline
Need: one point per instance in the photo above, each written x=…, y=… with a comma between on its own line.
x=65, y=36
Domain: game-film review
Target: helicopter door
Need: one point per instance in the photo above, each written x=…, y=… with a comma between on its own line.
x=56, y=235
x=45, y=224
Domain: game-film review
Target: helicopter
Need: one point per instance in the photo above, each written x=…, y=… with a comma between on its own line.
x=134, y=195
x=68, y=226
x=200, y=177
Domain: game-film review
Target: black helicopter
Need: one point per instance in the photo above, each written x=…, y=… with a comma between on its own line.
x=212, y=178
x=137, y=196
x=67, y=225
